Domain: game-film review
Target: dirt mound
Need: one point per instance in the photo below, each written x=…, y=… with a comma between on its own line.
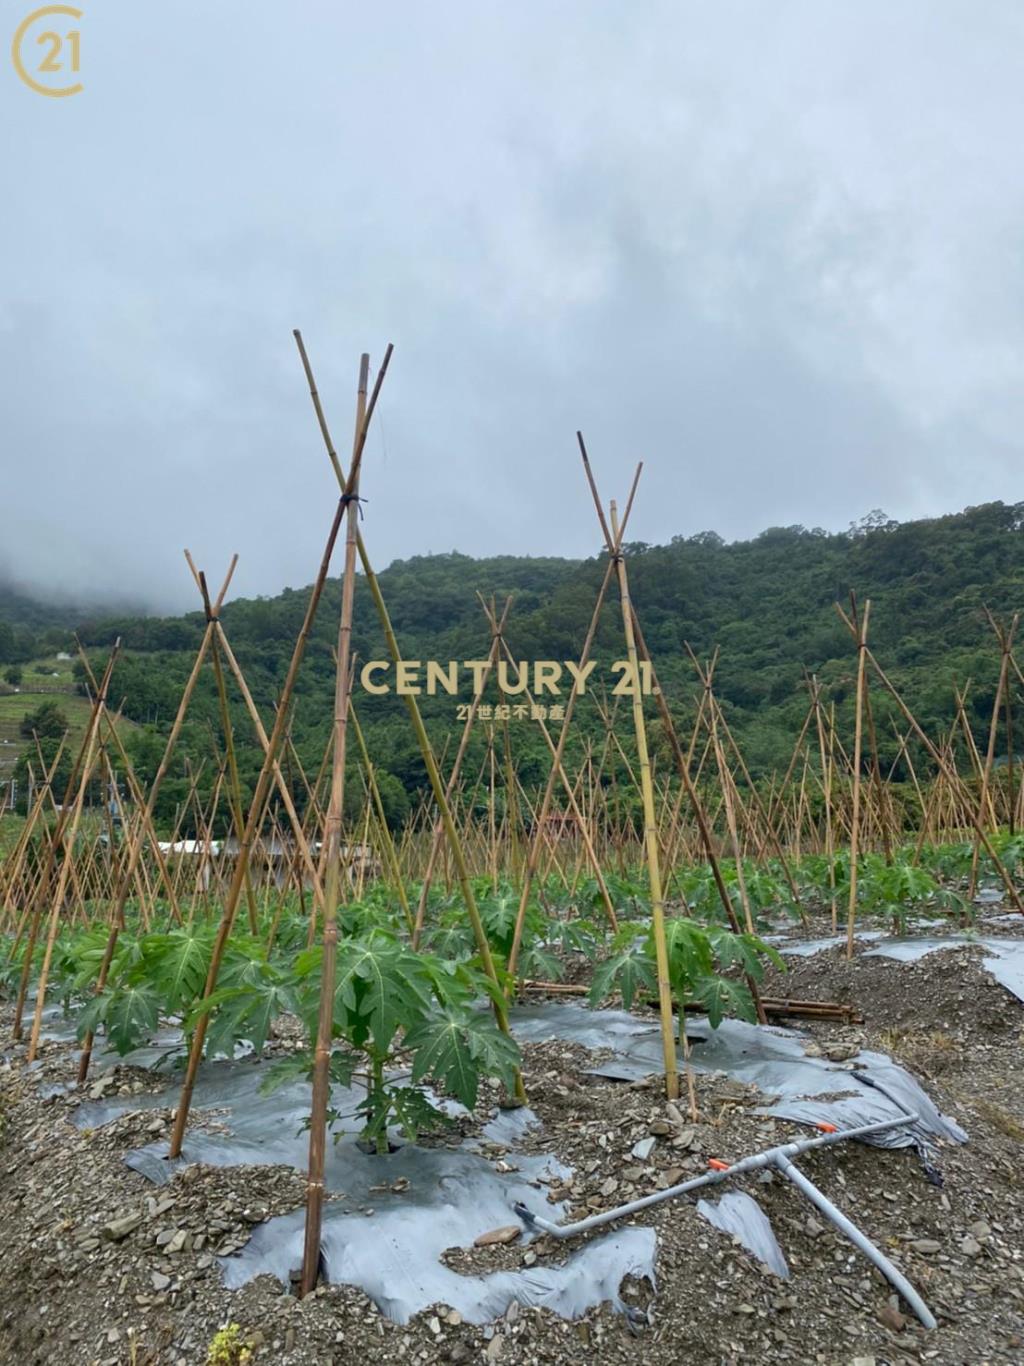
x=947, y=990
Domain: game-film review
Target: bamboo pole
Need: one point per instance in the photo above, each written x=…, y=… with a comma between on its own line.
x=950, y=774
x=262, y=786
x=533, y=857
x=1005, y=639
x=332, y=846
x=557, y=763
x=683, y=762
x=827, y=761
x=453, y=779
x=135, y=852
x=862, y=645
x=613, y=540
x=234, y=782
x=454, y=843
x=43, y=884
x=89, y=748
x=146, y=818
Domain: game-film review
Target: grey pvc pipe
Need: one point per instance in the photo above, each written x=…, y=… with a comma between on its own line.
x=778, y=1157
x=747, y=1164
x=821, y=1202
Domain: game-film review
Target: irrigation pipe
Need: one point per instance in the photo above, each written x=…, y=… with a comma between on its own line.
x=780, y=1158
x=850, y=1230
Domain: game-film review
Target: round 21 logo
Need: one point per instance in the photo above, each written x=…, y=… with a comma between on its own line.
x=46, y=50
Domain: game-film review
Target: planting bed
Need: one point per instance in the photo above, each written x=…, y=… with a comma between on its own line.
x=99, y=1264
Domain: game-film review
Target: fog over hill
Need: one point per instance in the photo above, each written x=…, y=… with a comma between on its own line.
x=773, y=253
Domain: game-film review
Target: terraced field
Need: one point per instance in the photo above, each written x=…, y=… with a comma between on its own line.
x=43, y=681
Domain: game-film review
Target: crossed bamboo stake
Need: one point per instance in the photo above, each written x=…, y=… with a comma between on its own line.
x=942, y=764
x=88, y=757
x=41, y=796
x=437, y=836
x=613, y=537
x=556, y=762
x=251, y=831
x=321, y=1079
x=533, y=858
x=117, y=919
x=1005, y=637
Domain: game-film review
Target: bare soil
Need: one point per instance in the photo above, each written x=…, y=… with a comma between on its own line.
x=74, y=1293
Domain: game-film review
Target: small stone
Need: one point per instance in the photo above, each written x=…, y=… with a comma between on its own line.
x=610, y=1186
x=660, y=1128
x=434, y=1325
x=841, y=1052
x=642, y=1150
x=508, y=1233
x=529, y=1257
x=926, y=1246
x=495, y=1348
x=980, y=1229
x=892, y=1318
x=160, y=1281
x=813, y=1229
x=970, y=1247
x=453, y=1318
x=118, y=1229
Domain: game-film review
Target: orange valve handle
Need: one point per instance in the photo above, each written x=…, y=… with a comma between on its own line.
x=717, y=1166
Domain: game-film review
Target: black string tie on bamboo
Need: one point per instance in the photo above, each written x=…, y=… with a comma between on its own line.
x=347, y=498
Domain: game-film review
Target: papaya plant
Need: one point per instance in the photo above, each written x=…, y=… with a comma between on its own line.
x=699, y=959
x=391, y=1004
x=450, y=936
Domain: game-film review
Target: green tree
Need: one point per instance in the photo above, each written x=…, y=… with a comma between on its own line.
x=47, y=722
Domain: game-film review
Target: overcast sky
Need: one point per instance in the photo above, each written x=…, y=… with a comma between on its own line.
x=774, y=250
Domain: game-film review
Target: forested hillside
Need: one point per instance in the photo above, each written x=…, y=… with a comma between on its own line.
x=767, y=604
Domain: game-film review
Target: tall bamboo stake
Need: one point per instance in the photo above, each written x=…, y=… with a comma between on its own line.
x=613, y=540
x=135, y=851
x=332, y=851
x=262, y=787
x=454, y=843
x=862, y=645
x=1005, y=639
x=534, y=855
x=453, y=779
x=683, y=762
x=387, y=843
x=65, y=871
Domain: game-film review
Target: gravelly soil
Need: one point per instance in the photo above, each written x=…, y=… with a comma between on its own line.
x=73, y=1292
